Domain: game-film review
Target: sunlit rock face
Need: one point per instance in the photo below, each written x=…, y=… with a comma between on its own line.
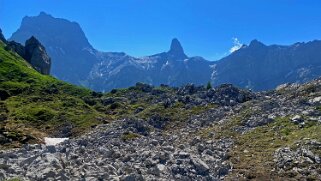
x=37, y=56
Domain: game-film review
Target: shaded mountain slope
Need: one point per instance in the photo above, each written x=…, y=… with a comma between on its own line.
x=65, y=43
x=262, y=67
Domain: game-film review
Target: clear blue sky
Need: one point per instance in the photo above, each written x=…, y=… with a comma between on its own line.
x=204, y=27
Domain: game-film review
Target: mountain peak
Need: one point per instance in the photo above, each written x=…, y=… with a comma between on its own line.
x=176, y=45
x=256, y=43
x=42, y=13
x=32, y=40
x=176, y=50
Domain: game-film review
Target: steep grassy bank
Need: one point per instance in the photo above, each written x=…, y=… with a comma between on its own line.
x=35, y=105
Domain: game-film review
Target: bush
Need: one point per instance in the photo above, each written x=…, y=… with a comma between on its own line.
x=4, y=94
x=209, y=85
x=115, y=105
x=113, y=91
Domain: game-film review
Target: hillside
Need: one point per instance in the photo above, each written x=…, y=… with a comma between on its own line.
x=156, y=133
x=35, y=105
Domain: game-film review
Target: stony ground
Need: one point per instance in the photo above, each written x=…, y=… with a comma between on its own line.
x=107, y=154
x=271, y=135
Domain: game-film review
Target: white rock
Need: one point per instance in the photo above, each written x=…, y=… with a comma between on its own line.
x=54, y=141
x=296, y=118
x=315, y=100
x=161, y=167
x=282, y=86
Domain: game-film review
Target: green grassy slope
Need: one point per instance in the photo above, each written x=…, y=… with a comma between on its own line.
x=35, y=105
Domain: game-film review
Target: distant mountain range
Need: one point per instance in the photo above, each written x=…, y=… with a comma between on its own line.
x=256, y=66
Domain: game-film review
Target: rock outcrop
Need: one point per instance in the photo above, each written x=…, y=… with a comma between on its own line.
x=36, y=55
x=176, y=50
x=16, y=47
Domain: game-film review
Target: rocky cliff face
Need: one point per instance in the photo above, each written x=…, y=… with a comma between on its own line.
x=261, y=67
x=34, y=53
x=176, y=50
x=16, y=47
x=65, y=42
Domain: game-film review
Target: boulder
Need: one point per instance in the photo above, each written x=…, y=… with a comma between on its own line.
x=136, y=126
x=35, y=54
x=157, y=121
x=143, y=87
x=201, y=167
x=297, y=119
x=258, y=122
x=188, y=89
x=228, y=95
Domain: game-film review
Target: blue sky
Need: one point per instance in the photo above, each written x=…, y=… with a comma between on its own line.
x=205, y=27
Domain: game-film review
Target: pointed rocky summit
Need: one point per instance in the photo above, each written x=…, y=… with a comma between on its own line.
x=176, y=50
x=256, y=43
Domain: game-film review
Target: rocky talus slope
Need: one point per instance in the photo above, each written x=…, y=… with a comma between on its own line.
x=221, y=133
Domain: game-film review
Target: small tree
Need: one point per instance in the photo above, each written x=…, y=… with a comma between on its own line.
x=209, y=85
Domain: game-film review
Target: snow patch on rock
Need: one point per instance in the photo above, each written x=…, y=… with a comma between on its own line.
x=54, y=141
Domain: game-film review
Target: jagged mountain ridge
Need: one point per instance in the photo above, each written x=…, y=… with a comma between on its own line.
x=172, y=68
x=261, y=67
x=256, y=66
x=103, y=71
